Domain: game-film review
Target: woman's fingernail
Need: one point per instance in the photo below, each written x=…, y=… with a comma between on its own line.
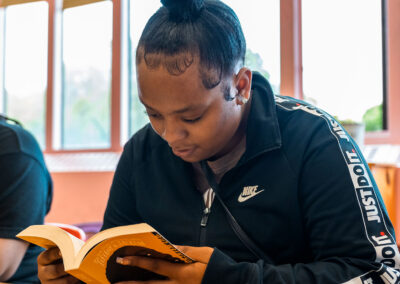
x=120, y=260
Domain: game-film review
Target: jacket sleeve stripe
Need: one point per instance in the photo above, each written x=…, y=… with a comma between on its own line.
x=384, y=275
x=365, y=188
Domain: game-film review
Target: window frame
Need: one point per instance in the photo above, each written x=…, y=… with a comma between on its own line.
x=54, y=89
x=291, y=70
x=391, y=48
x=291, y=64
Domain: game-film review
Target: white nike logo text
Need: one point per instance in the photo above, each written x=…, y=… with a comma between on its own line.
x=249, y=192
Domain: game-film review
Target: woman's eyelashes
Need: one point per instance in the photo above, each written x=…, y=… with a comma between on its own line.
x=152, y=115
x=192, y=120
x=187, y=120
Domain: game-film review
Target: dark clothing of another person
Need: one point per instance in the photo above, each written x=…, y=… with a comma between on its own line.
x=25, y=192
x=302, y=191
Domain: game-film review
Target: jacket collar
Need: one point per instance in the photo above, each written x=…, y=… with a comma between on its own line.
x=262, y=132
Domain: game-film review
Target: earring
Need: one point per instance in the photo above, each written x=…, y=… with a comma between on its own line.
x=242, y=99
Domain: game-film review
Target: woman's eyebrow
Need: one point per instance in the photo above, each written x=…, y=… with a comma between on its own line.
x=182, y=110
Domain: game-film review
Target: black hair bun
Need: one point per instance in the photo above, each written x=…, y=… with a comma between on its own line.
x=183, y=10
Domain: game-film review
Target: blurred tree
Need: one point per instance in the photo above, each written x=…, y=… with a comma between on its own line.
x=254, y=61
x=373, y=118
x=86, y=109
x=29, y=110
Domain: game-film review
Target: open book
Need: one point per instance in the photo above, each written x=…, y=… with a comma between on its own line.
x=94, y=261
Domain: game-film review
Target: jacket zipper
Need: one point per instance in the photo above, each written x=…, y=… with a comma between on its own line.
x=203, y=226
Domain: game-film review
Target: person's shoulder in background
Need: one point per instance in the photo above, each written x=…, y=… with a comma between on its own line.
x=15, y=139
x=25, y=199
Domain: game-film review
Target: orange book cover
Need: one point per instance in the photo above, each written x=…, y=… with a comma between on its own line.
x=94, y=261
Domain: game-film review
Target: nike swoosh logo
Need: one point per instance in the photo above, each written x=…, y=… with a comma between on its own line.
x=242, y=198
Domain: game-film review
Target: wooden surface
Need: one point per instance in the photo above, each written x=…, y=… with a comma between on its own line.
x=385, y=177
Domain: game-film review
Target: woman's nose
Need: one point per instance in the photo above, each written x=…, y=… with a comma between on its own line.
x=173, y=132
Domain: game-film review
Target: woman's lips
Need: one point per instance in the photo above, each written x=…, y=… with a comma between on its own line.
x=183, y=152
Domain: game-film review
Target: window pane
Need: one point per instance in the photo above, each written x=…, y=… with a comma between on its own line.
x=342, y=58
x=260, y=20
x=139, y=13
x=25, y=72
x=87, y=47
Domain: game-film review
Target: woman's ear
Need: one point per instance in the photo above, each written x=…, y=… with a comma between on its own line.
x=243, y=85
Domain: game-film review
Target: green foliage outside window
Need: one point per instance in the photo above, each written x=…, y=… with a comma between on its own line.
x=254, y=61
x=373, y=118
x=86, y=110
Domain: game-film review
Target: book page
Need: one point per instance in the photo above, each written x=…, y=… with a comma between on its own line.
x=101, y=264
x=112, y=232
x=47, y=236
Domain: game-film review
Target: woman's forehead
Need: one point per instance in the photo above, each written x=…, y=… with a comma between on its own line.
x=161, y=91
x=150, y=77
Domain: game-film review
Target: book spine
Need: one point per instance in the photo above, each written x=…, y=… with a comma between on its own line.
x=181, y=255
